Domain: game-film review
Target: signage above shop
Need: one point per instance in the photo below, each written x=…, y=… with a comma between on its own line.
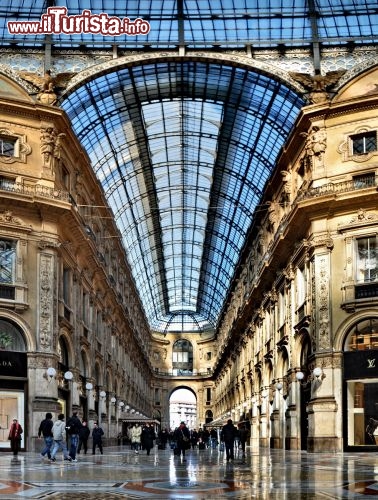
x=13, y=364
x=361, y=364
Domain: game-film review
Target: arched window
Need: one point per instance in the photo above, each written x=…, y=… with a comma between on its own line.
x=363, y=336
x=63, y=352
x=182, y=357
x=11, y=338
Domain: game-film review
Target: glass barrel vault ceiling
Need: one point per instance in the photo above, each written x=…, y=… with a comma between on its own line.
x=183, y=151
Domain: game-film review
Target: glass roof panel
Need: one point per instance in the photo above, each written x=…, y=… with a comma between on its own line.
x=205, y=23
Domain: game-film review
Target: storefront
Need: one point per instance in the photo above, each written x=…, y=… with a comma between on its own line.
x=360, y=388
x=13, y=385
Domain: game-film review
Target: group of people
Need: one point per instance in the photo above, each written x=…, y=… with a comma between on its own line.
x=55, y=435
x=183, y=439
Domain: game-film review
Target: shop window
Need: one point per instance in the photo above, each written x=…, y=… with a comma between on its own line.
x=11, y=338
x=364, y=336
x=11, y=403
x=360, y=373
x=362, y=413
x=364, y=143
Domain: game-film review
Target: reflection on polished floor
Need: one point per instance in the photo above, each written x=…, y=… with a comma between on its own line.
x=120, y=473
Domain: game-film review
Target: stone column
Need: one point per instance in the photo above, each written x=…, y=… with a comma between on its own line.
x=324, y=412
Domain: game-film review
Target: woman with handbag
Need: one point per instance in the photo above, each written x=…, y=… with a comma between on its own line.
x=14, y=437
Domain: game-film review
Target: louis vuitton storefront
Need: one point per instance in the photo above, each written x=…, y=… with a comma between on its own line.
x=361, y=386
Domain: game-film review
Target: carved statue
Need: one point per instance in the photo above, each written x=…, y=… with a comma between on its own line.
x=316, y=142
x=48, y=137
x=49, y=85
x=318, y=84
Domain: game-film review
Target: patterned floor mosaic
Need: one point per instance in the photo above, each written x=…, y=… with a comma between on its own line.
x=120, y=473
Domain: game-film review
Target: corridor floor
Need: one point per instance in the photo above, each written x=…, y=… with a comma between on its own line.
x=205, y=475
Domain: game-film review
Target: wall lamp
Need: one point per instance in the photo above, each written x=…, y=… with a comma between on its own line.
x=316, y=375
x=102, y=394
x=49, y=374
x=68, y=375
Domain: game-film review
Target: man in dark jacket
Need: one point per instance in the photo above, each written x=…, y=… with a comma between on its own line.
x=228, y=435
x=73, y=427
x=45, y=431
x=84, y=433
x=97, y=434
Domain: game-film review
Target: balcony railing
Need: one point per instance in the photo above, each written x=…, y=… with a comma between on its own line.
x=338, y=187
x=36, y=190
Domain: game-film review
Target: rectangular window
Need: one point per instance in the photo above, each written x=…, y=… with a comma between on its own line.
x=66, y=286
x=7, y=146
x=301, y=287
x=364, y=143
x=367, y=263
x=281, y=307
x=208, y=394
x=7, y=262
x=180, y=357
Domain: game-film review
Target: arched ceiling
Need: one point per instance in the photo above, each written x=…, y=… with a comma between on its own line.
x=183, y=148
x=183, y=151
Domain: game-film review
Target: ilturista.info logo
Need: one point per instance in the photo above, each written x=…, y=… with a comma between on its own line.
x=57, y=21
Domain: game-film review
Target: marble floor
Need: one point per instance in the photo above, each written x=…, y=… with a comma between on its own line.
x=205, y=475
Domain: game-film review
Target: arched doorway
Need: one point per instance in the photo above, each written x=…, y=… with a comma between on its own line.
x=305, y=388
x=183, y=408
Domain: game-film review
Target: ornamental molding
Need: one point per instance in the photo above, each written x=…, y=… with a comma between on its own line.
x=8, y=219
x=361, y=218
x=134, y=59
x=24, y=149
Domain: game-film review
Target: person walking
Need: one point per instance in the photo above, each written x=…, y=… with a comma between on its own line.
x=73, y=427
x=59, y=436
x=213, y=438
x=228, y=435
x=84, y=433
x=182, y=436
x=135, y=436
x=15, y=435
x=45, y=432
x=147, y=437
x=97, y=434
x=244, y=435
x=163, y=438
